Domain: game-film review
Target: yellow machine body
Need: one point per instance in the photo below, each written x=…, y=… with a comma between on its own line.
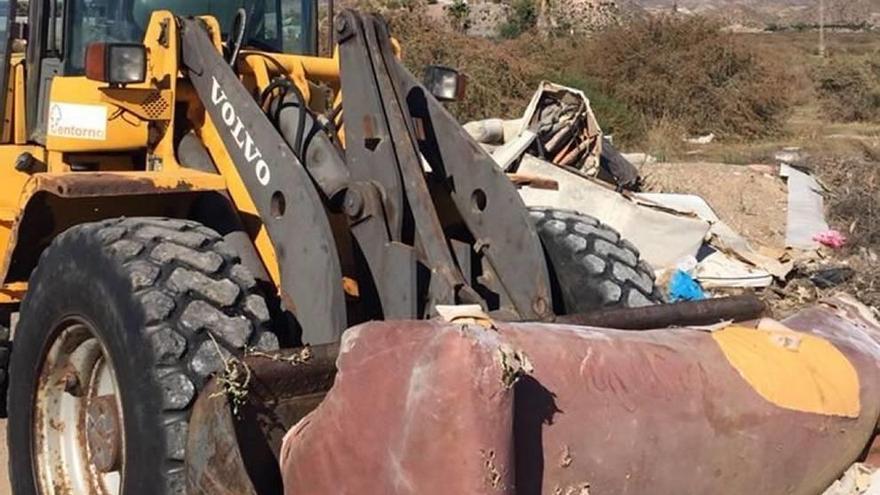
x=126, y=165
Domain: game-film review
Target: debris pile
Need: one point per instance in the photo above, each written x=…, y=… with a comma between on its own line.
x=568, y=134
x=756, y=227
x=558, y=127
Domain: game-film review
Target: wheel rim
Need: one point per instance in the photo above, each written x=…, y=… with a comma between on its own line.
x=79, y=438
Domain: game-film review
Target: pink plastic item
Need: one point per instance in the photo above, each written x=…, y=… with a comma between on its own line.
x=831, y=238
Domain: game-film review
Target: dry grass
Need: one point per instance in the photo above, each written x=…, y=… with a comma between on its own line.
x=849, y=88
x=801, y=45
x=807, y=128
x=691, y=72
x=853, y=201
x=665, y=139
x=846, y=82
x=500, y=80
x=641, y=76
x=854, y=197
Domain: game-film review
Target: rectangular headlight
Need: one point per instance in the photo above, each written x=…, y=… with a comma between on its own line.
x=444, y=83
x=116, y=63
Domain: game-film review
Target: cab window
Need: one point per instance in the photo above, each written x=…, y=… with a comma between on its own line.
x=274, y=25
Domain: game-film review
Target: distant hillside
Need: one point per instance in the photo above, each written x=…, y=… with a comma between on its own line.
x=778, y=12
x=488, y=17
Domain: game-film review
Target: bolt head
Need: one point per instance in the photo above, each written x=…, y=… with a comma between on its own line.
x=341, y=24
x=353, y=204
x=541, y=307
x=72, y=384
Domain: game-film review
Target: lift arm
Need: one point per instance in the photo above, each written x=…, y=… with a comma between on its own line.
x=392, y=122
x=406, y=218
x=280, y=187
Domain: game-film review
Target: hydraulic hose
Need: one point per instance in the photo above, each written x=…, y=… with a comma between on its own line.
x=240, y=22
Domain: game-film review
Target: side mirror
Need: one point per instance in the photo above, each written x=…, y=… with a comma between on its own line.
x=445, y=83
x=116, y=63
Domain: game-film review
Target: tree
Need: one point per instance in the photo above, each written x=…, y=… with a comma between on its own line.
x=459, y=12
x=523, y=17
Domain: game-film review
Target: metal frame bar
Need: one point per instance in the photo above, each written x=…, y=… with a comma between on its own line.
x=392, y=119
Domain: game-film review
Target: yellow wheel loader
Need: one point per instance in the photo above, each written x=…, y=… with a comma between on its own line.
x=194, y=207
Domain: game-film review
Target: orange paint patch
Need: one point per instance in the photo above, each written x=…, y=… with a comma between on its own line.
x=793, y=370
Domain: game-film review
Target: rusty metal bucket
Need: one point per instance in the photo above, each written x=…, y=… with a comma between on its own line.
x=432, y=407
x=237, y=454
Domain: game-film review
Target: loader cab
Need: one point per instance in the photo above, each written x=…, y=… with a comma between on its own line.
x=61, y=31
x=7, y=22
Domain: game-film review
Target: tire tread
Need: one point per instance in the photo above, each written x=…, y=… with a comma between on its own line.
x=593, y=264
x=174, y=266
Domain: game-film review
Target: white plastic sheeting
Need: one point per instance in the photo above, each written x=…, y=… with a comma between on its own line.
x=806, y=209
x=666, y=228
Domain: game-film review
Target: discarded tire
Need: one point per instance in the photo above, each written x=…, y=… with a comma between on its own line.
x=592, y=266
x=124, y=322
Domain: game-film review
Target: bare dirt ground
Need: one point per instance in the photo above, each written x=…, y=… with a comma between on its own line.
x=4, y=461
x=752, y=200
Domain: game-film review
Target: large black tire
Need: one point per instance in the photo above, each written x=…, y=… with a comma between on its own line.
x=170, y=303
x=592, y=267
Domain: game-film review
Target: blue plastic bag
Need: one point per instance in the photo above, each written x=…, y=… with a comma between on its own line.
x=683, y=287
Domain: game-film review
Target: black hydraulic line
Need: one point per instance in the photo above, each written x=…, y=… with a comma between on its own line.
x=708, y=312
x=240, y=21
x=283, y=81
x=285, y=84
x=334, y=113
x=275, y=84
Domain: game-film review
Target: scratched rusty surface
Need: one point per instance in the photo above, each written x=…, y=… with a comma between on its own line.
x=238, y=455
x=664, y=413
x=425, y=407
x=99, y=195
x=416, y=408
x=214, y=461
x=89, y=184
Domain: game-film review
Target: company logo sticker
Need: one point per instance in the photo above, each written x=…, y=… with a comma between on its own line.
x=71, y=120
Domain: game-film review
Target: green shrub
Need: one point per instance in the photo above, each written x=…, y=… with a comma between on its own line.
x=690, y=71
x=849, y=89
x=614, y=116
x=687, y=72
x=523, y=17
x=459, y=13
x=501, y=80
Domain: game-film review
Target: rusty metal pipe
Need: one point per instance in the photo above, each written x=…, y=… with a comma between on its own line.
x=708, y=312
x=293, y=372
